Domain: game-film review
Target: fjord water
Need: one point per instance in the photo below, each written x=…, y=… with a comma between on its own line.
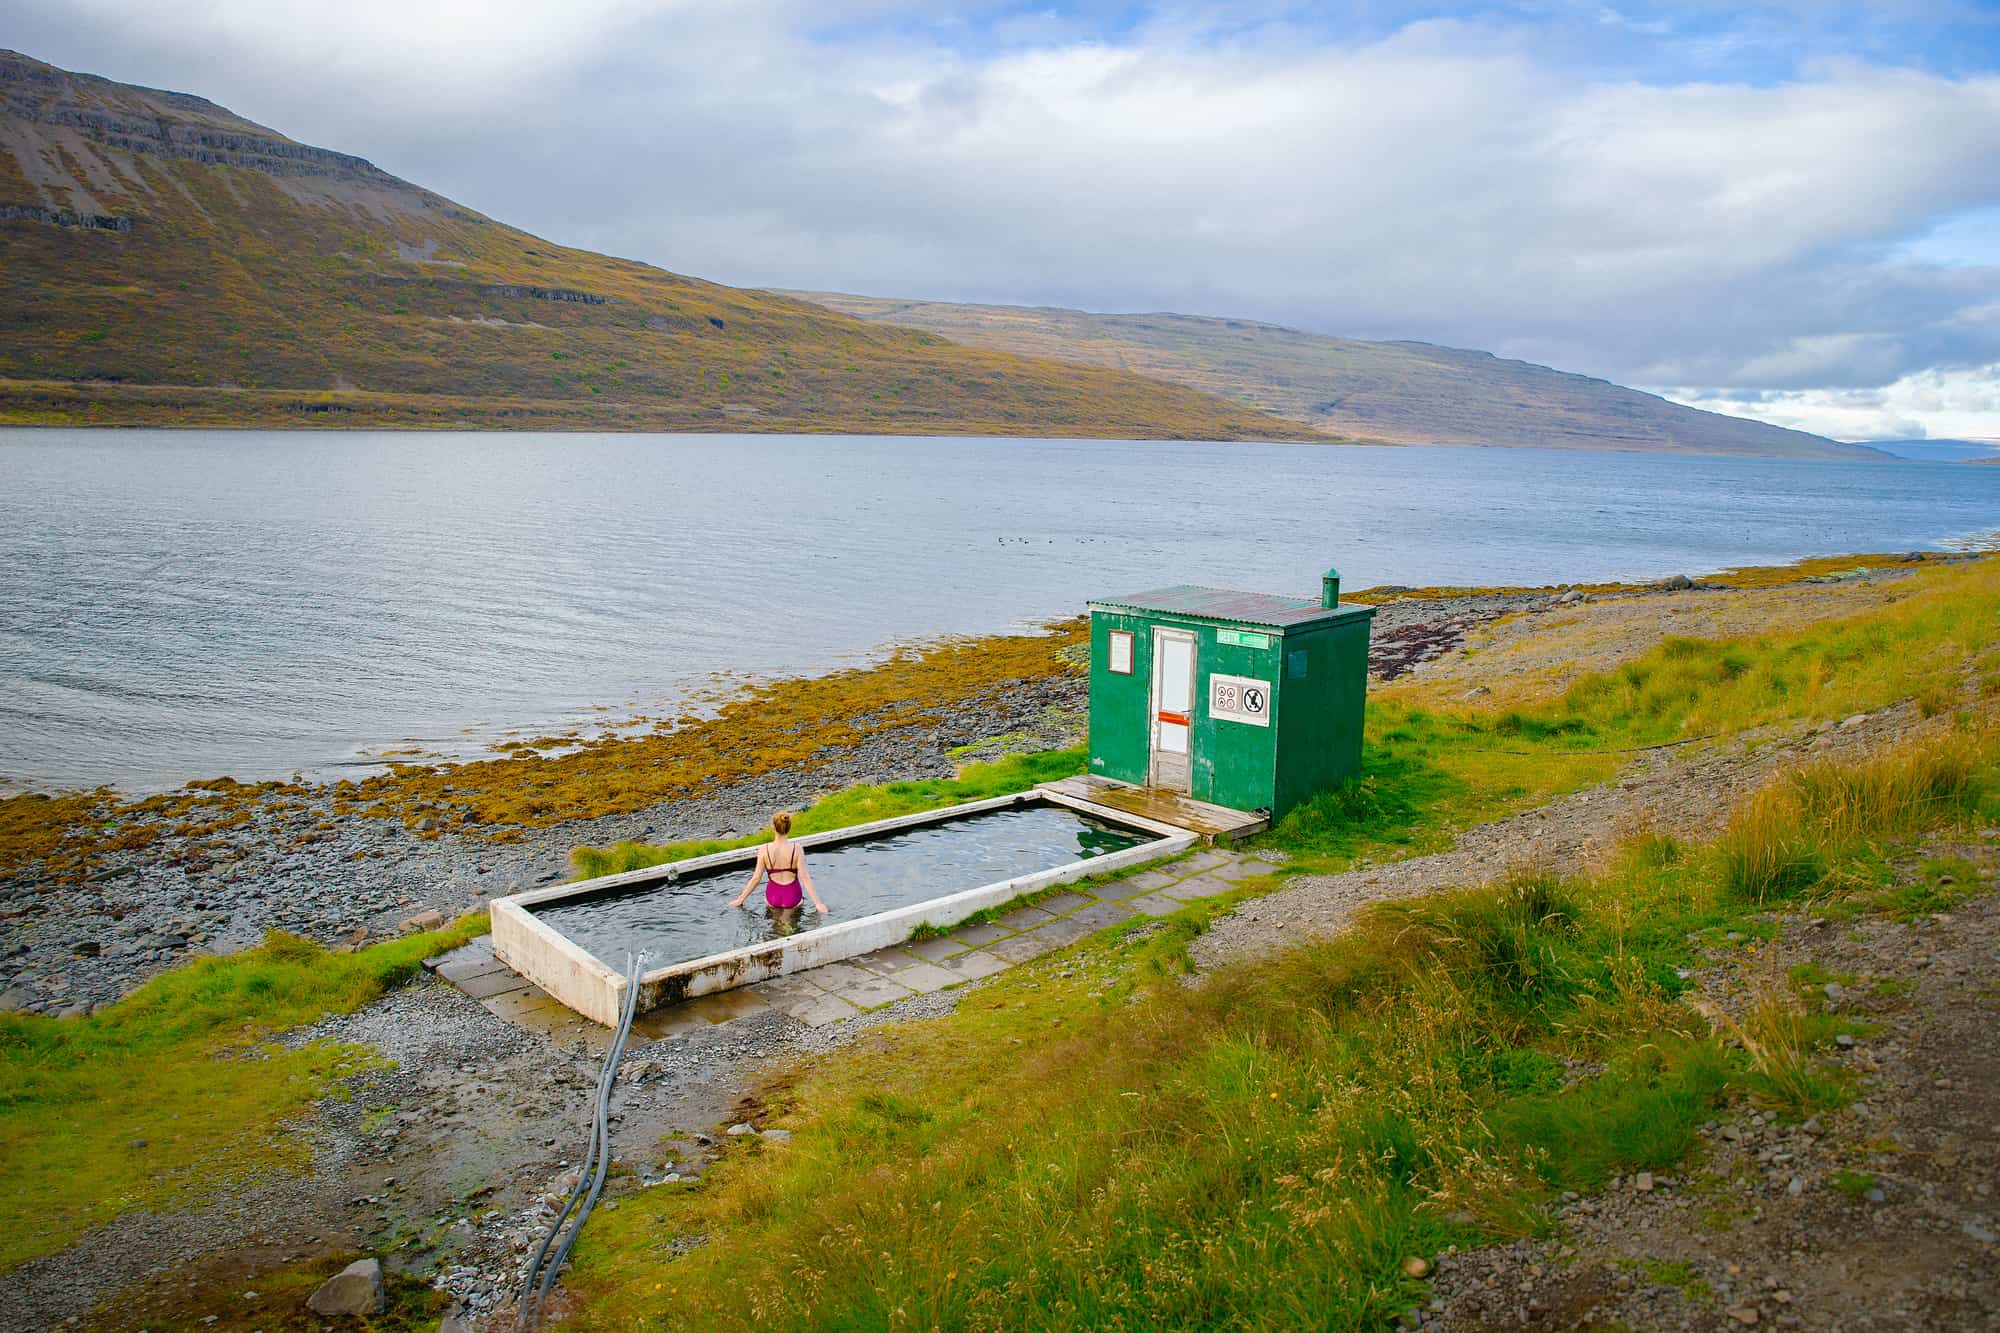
x=690, y=918
x=185, y=604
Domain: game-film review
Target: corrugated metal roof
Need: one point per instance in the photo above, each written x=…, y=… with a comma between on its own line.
x=1223, y=604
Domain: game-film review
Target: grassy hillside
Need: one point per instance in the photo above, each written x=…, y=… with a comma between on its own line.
x=163, y=260
x=1402, y=392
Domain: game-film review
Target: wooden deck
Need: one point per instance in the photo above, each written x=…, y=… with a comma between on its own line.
x=1216, y=823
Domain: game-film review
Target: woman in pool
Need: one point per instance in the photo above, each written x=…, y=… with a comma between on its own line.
x=784, y=862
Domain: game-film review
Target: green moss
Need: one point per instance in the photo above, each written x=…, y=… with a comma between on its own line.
x=176, y=1093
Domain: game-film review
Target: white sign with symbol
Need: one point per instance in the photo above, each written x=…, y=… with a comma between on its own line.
x=1240, y=699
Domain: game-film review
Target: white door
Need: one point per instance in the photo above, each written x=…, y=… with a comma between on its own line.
x=1173, y=706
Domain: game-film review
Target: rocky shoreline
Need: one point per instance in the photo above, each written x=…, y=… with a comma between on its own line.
x=337, y=877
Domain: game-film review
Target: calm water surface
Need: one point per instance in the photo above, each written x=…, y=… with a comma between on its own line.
x=180, y=604
x=679, y=922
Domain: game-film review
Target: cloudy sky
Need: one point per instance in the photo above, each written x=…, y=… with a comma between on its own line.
x=1782, y=209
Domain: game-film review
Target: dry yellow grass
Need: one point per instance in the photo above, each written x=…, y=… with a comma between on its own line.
x=1527, y=657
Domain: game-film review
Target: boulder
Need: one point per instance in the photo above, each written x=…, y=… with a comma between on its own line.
x=354, y=1290
x=429, y=919
x=1677, y=583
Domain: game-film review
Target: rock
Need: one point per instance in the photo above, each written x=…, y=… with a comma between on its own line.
x=1744, y=1314
x=778, y=1135
x=425, y=920
x=1833, y=990
x=1875, y=1195
x=86, y=948
x=1843, y=1041
x=1979, y=1232
x=1643, y=1182
x=1676, y=583
x=738, y=1130
x=1796, y=1187
x=1858, y=719
x=1417, y=1266
x=355, y=1290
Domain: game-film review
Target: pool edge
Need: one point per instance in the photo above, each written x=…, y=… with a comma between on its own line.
x=594, y=989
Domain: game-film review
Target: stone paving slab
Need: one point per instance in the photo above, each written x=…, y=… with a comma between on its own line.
x=1062, y=904
x=980, y=933
x=1154, y=904
x=1119, y=890
x=1146, y=881
x=1200, y=886
x=779, y=989
x=925, y=978
x=819, y=1010
x=1240, y=870
x=488, y=984
x=837, y=977
x=1021, y=948
x=1099, y=915
x=871, y=993
x=461, y=970
x=1063, y=930
x=937, y=950
x=1207, y=860
x=1024, y=918
x=516, y=1004
x=883, y=961
x=974, y=965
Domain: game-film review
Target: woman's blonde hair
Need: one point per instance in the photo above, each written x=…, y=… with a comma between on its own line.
x=782, y=822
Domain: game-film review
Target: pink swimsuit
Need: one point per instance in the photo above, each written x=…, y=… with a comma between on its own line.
x=782, y=895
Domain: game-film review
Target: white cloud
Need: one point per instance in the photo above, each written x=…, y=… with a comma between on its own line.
x=1936, y=404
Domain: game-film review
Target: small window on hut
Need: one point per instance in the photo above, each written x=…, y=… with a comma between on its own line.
x=1121, y=652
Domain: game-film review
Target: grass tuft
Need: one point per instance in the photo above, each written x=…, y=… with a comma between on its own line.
x=1783, y=841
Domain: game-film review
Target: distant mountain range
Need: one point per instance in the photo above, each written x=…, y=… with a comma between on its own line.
x=1941, y=451
x=1398, y=392
x=163, y=260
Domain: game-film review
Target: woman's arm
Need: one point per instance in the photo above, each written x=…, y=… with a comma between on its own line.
x=805, y=878
x=756, y=873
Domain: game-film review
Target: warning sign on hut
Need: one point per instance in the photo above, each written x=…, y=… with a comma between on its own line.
x=1240, y=699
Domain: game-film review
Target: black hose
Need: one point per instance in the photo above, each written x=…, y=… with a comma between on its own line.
x=597, y=1161
x=554, y=1269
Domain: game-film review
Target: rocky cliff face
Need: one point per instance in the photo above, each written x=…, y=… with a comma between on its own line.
x=75, y=150
x=152, y=122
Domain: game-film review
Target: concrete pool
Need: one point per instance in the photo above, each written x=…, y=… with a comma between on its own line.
x=882, y=881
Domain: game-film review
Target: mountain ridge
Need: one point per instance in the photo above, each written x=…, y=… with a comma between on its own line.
x=164, y=260
x=1401, y=392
